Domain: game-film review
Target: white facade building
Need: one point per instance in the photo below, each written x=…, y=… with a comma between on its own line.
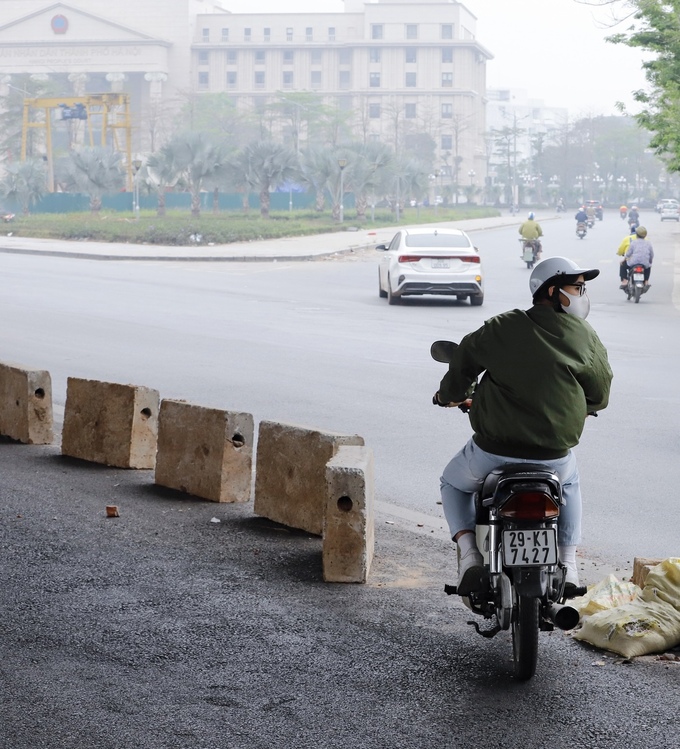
x=403, y=68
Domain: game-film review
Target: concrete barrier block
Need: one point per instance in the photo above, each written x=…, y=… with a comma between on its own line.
x=349, y=524
x=109, y=423
x=26, y=404
x=206, y=452
x=290, y=474
x=641, y=567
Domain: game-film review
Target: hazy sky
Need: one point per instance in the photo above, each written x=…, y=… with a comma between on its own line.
x=553, y=49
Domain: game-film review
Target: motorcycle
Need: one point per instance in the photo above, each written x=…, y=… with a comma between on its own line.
x=530, y=251
x=6, y=217
x=623, y=213
x=523, y=587
x=633, y=224
x=581, y=229
x=636, y=283
x=590, y=222
x=599, y=213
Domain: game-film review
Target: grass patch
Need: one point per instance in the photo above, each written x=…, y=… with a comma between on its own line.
x=178, y=228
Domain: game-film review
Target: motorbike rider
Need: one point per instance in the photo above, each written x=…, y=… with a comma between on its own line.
x=581, y=216
x=518, y=416
x=633, y=216
x=531, y=231
x=623, y=210
x=639, y=252
x=623, y=248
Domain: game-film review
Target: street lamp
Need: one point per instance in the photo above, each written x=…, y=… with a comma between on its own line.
x=136, y=165
x=342, y=163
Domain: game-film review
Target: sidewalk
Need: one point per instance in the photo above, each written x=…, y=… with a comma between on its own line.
x=288, y=248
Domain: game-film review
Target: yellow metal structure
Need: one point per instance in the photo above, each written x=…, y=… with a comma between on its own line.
x=111, y=112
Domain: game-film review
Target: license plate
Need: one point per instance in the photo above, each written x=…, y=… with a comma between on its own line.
x=638, y=276
x=441, y=264
x=530, y=548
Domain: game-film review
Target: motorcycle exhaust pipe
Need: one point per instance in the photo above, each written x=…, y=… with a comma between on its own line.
x=564, y=617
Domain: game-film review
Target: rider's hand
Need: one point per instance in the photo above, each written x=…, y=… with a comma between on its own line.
x=450, y=404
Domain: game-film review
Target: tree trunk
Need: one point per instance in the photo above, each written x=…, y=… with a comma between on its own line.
x=320, y=201
x=95, y=205
x=265, y=202
x=195, y=204
x=245, y=201
x=361, y=204
x=216, y=200
x=160, y=211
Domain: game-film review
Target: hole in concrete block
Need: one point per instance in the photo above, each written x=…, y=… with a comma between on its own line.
x=146, y=413
x=39, y=393
x=345, y=504
x=238, y=440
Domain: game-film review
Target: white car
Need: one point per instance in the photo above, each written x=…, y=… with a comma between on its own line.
x=430, y=260
x=669, y=209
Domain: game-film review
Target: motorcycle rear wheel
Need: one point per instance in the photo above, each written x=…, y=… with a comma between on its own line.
x=525, y=628
x=638, y=292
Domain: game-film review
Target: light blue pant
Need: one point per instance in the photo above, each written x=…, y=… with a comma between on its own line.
x=467, y=470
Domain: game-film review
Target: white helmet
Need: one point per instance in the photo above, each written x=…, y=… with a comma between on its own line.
x=552, y=267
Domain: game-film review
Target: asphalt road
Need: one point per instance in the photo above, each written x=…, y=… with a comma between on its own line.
x=163, y=629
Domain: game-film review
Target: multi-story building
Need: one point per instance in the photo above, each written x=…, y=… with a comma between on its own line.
x=411, y=72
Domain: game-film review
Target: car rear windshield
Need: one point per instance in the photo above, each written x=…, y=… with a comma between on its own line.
x=437, y=240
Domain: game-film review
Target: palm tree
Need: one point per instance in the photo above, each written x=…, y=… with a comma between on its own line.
x=317, y=166
x=270, y=165
x=199, y=159
x=365, y=171
x=25, y=182
x=96, y=171
x=160, y=172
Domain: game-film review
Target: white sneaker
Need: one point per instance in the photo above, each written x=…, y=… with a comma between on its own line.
x=572, y=575
x=470, y=572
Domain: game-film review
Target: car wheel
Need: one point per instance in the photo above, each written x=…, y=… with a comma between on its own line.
x=392, y=298
x=381, y=292
x=477, y=300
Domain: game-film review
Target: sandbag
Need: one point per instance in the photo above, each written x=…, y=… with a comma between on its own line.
x=636, y=628
x=607, y=594
x=663, y=583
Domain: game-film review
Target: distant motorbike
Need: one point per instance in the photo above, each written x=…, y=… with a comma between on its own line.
x=524, y=588
x=560, y=208
x=530, y=251
x=636, y=283
x=599, y=213
x=6, y=217
x=590, y=222
x=623, y=213
x=581, y=229
x=633, y=224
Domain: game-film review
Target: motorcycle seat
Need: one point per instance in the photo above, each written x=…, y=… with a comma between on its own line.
x=514, y=470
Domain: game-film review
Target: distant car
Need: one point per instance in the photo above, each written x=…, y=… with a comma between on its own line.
x=430, y=260
x=670, y=209
x=663, y=202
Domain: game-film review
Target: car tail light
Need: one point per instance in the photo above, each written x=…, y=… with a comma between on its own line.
x=470, y=259
x=416, y=258
x=409, y=258
x=530, y=506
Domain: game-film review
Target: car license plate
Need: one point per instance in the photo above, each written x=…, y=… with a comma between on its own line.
x=638, y=276
x=441, y=264
x=530, y=548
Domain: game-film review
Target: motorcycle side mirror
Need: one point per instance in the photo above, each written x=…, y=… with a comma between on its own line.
x=442, y=351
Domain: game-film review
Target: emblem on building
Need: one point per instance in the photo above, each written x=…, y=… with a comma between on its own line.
x=60, y=24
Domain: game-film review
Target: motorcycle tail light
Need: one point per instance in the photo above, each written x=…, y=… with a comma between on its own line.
x=639, y=269
x=530, y=506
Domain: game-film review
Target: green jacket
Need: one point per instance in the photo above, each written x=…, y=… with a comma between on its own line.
x=543, y=371
x=530, y=229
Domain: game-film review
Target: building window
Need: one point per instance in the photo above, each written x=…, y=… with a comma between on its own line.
x=205, y=35
x=410, y=80
x=309, y=34
x=288, y=56
x=374, y=111
x=376, y=31
x=231, y=57
x=247, y=35
x=374, y=54
x=411, y=55
x=447, y=111
x=288, y=79
x=447, y=54
x=447, y=80
x=267, y=35
x=203, y=57
x=345, y=56
x=203, y=81
x=374, y=137
x=259, y=57
x=447, y=142
x=345, y=79
x=411, y=31
x=316, y=79
x=225, y=35
x=289, y=34
x=409, y=111
x=331, y=33
x=447, y=31
x=259, y=79
x=374, y=80
x=231, y=79
x=317, y=56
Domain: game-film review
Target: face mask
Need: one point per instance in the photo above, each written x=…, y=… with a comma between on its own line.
x=578, y=305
